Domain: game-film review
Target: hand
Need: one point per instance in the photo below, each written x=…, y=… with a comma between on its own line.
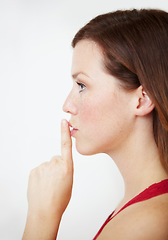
x=49, y=191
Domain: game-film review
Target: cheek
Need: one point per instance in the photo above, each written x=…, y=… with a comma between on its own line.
x=107, y=104
x=101, y=124
x=104, y=116
x=90, y=112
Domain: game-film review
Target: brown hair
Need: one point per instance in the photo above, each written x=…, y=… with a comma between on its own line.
x=135, y=48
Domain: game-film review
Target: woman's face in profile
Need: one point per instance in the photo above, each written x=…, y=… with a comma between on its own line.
x=100, y=109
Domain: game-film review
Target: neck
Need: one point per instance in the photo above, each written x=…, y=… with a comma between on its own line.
x=139, y=163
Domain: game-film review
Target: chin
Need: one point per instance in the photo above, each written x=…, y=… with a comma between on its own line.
x=86, y=150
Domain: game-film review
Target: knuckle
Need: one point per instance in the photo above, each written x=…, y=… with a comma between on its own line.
x=32, y=172
x=66, y=144
x=37, y=169
x=55, y=159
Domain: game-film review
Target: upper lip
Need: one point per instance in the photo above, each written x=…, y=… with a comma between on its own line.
x=70, y=125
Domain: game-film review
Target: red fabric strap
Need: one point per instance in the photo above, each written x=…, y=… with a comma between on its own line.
x=154, y=190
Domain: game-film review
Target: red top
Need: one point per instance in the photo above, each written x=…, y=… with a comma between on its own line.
x=154, y=190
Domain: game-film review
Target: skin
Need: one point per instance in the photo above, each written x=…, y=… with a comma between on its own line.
x=106, y=119
x=49, y=192
x=100, y=110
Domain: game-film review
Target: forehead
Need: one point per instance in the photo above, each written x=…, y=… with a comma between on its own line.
x=87, y=56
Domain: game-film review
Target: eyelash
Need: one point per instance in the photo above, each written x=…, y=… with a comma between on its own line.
x=82, y=86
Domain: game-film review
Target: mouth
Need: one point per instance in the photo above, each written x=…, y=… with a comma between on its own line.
x=72, y=129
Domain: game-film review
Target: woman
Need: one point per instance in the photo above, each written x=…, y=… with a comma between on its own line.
x=118, y=106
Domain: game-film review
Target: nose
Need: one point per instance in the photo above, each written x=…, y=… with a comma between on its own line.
x=69, y=105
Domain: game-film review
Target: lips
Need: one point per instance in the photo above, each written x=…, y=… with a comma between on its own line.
x=72, y=129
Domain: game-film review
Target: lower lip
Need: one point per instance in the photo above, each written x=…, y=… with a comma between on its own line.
x=73, y=131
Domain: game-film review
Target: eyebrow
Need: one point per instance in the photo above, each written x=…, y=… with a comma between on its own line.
x=75, y=75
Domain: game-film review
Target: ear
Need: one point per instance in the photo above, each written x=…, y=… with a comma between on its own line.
x=144, y=103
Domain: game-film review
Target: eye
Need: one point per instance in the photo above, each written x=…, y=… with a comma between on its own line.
x=82, y=86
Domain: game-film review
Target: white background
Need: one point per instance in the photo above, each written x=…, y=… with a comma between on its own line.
x=35, y=62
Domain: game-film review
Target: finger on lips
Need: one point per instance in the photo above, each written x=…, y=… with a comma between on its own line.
x=66, y=141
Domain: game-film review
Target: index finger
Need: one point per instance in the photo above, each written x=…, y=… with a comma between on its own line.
x=66, y=141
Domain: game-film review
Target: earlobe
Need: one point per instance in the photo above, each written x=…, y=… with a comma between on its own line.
x=145, y=105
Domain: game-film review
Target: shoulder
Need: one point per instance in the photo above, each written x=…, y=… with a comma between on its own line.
x=146, y=220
